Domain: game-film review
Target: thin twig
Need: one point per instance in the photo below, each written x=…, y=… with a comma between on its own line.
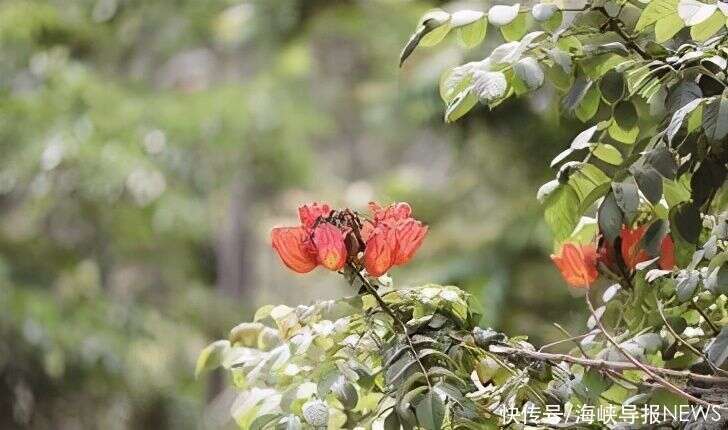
x=665, y=383
x=713, y=327
x=370, y=289
x=604, y=364
x=694, y=350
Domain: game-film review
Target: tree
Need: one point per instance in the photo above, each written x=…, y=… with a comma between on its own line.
x=639, y=201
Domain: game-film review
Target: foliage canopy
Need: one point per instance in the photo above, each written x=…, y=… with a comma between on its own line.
x=649, y=82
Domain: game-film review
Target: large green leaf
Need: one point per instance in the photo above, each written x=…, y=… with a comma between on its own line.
x=560, y=211
x=431, y=411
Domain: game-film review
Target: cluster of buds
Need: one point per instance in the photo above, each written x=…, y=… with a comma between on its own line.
x=333, y=238
x=578, y=263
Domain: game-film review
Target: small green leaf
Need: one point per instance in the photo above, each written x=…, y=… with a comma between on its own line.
x=471, y=34
x=516, y=29
x=608, y=154
x=610, y=218
x=211, y=357
x=649, y=182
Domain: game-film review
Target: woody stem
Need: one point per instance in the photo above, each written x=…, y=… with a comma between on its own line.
x=385, y=307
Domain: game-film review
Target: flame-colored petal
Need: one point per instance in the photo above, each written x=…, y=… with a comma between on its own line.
x=393, y=212
x=410, y=234
x=667, y=254
x=330, y=247
x=577, y=264
x=632, y=253
x=291, y=244
x=379, y=255
x=308, y=214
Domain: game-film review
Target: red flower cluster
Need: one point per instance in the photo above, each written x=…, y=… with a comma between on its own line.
x=312, y=243
x=332, y=238
x=633, y=253
x=578, y=263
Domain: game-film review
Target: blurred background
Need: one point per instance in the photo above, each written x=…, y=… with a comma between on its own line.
x=147, y=148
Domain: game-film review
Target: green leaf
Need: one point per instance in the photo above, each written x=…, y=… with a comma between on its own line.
x=516, y=29
x=433, y=27
x=589, y=104
x=718, y=348
x=590, y=184
x=627, y=198
x=610, y=218
x=471, y=34
x=561, y=211
x=678, y=117
x=662, y=160
x=211, y=357
x=709, y=27
x=431, y=411
x=501, y=15
x=649, y=182
x=612, y=87
x=576, y=94
x=621, y=135
x=668, y=27
x=345, y=392
x=608, y=154
x=694, y=12
x=437, y=23
x=675, y=191
x=528, y=70
x=687, y=282
x=715, y=118
x=460, y=105
x=263, y=420
x=652, y=240
x=685, y=221
x=655, y=11
x=489, y=86
x=392, y=422
x=682, y=94
x=625, y=115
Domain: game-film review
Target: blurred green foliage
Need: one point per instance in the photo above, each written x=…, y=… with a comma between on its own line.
x=148, y=147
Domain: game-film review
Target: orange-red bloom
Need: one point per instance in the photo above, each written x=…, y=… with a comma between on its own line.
x=632, y=252
x=293, y=246
x=308, y=214
x=379, y=255
x=330, y=248
x=667, y=254
x=577, y=264
x=392, y=237
x=315, y=242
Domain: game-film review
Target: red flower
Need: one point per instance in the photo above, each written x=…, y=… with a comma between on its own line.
x=294, y=248
x=667, y=253
x=315, y=242
x=392, y=237
x=330, y=249
x=577, y=264
x=379, y=255
x=308, y=214
x=632, y=253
